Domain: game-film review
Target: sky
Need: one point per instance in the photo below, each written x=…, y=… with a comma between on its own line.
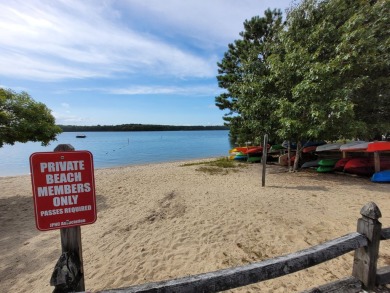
x=113, y=62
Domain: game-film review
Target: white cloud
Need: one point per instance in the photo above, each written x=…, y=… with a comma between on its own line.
x=55, y=40
x=65, y=105
x=195, y=90
x=152, y=90
x=68, y=119
x=52, y=40
x=217, y=22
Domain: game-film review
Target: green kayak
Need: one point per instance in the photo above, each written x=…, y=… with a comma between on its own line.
x=324, y=169
x=328, y=162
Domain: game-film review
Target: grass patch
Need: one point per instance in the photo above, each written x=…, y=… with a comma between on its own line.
x=219, y=166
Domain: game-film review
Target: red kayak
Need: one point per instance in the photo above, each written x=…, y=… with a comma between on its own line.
x=309, y=149
x=378, y=146
x=339, y=166
x=256, y=150
x=365, y=166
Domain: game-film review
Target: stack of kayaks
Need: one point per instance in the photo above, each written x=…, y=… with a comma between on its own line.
x=250, y=153
x=240, y=156
x=255, y=154
x=326, y=165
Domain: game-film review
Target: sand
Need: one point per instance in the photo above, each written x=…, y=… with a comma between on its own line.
x=162, y=221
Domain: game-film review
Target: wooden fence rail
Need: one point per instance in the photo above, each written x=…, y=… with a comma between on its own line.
x=365, y=243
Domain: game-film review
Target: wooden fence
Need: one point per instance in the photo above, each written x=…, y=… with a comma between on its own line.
x=365, y=275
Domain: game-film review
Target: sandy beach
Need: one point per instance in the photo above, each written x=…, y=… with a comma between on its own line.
x=162, y=221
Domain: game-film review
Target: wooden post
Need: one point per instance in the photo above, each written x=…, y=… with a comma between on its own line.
x=264, y=158
x=377, y=162
x=71, y=237
x=289, y=155
x=365, y=259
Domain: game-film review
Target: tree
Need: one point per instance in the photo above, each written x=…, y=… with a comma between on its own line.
x=22, y=119
x=239, y=72
x=364, y=55
x=332, y=72
x=323, y=75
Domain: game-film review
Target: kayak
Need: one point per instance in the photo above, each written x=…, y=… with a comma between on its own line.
x=378, y=146
x=311, y=164
x=256, y=150
x=358, y=147
x=382, y=176
x=353, y=145
x=254, y=159
x=241, y=149
x=324, y=169
x=328, y=162
x=365, y=166
x=240, y=156
x=329, y=147
x=309, y=149
x=276, y=148
x=339, y=166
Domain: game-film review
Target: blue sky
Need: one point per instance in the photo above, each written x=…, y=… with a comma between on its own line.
x=114, y=62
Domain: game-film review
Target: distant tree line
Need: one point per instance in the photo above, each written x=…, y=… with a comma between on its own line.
x=136, y=127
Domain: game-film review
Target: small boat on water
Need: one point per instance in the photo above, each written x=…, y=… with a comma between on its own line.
x=81, y=136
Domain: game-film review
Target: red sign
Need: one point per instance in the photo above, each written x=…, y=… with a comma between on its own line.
x=63, y=189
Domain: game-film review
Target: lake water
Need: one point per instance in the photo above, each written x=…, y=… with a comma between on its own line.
x=111, y=149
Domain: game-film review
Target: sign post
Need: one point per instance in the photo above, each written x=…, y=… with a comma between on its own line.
x=64, y=198
x=264, y=159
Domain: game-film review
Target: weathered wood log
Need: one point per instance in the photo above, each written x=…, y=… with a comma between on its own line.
x=383, y=276
x=385, y=234
x=244, y=275
x=366, y=258
x=346, y=285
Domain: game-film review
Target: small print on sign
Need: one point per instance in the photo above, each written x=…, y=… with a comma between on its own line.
x=63, y=189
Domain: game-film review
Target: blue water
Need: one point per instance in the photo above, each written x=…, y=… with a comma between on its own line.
x=111, y=149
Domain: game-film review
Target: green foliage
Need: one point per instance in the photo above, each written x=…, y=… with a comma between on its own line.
x=22, y=119
x=332, y=76
x=242, y=73
x=322, y=75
